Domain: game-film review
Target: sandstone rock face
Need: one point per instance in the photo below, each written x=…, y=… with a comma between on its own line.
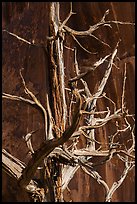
x=30, y=20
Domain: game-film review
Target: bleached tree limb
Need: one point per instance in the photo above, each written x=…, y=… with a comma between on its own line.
x=118, y=183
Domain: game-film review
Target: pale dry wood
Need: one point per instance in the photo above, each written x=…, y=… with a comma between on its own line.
x=68, y=173
x=117, y=184
x=91, y=29
x=11, y=165
x=27, y=139
x=37, y=102
x=55, y=21
x=17, y=98
x=16, y=36
x=88, y=69
x=48, y=146
x=14, y=167
x=94, y=174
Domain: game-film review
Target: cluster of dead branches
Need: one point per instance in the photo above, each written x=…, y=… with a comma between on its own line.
x=61, y=153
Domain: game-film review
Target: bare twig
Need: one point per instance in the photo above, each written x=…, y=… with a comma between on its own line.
x=27, y=139
x=104, y=95
x=116, y=185
x=95, y=27
x=93, y=53
x=123, y=93
x=89, y=69
x=101, y=41
x=102, y=123
x=68, y=17
x=19, y=38
x=17, y=98
x=132, y=148
x=37, y=103
x=97, y=177
x=126, y=153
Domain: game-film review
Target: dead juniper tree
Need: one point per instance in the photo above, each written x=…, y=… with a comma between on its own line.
x=60, y=153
